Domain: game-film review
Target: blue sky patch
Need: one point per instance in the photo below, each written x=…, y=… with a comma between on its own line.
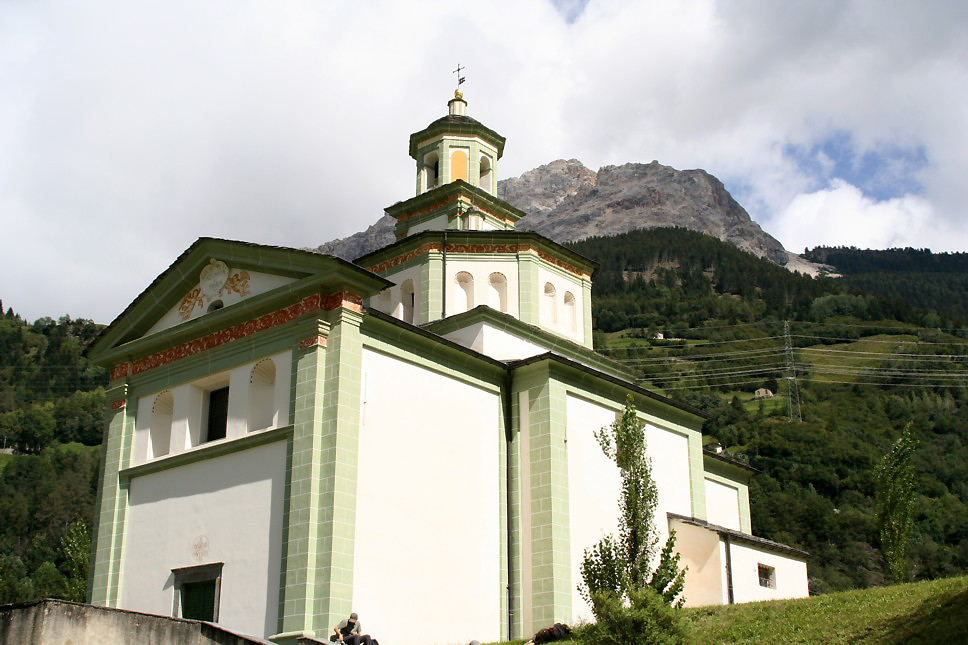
x=570, y=9
x=883, y=172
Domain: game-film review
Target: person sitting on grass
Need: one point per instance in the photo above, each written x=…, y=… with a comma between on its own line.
x=348, y=632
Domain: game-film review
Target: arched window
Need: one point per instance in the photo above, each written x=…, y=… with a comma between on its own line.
x=486, y=173
x=571, y=312
x=549, y=305
x=498, y=292
x=407, y=301
x=262, y=395
x=465, y=292
x=431, y=170
x=458, y=165
x=160, y=429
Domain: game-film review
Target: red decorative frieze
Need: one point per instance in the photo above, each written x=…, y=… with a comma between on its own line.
x=120, y=371
x=344, y=299
x=120, y=403
x=235, y=332
x=478, y=248
x=427, y=209
x=561, y=264
x=314, y=341
x=404, y=257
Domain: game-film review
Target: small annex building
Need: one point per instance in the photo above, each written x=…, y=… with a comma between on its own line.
x=291, y=437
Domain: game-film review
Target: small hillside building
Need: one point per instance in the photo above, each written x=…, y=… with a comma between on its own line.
x=291, y=437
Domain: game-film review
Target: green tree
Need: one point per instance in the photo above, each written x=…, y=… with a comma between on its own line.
x=76, y=548
x=623, y=567
x=895, y=499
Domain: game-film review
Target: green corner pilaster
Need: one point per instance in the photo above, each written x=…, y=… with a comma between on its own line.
x=339, y=461
x=431, y=301
x=104, y=587
x=550, y=536
x=586, y=288
x=528, y=289
x=697, y=476
x=297, y=586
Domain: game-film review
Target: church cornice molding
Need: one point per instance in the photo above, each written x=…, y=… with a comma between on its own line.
x=437, y=200
x=479, y=242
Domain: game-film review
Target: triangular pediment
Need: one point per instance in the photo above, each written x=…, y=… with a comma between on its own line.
x=215, y=277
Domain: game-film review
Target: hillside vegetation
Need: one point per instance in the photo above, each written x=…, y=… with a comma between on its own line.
x=927, y=612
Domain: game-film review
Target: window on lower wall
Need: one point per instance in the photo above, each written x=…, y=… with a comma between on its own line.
x=767, y=576
x=197, y=592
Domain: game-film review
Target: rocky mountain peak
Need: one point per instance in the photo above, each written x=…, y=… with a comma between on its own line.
x=566, y=201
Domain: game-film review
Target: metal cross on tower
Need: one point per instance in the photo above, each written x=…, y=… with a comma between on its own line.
x=460, y=79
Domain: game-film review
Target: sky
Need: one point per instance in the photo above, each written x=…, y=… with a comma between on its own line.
x=130, y=129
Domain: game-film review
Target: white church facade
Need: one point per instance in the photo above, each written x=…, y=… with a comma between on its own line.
x=291, y=437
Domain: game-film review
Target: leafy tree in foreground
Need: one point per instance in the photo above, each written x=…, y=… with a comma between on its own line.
x=895, y=503
x=621, y=568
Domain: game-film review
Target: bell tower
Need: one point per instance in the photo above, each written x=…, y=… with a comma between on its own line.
x=456, y=147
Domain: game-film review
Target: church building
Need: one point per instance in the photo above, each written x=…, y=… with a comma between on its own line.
x=291, y=437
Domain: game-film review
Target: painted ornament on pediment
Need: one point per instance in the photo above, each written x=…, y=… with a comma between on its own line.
x=213, y=281
x=212, y=278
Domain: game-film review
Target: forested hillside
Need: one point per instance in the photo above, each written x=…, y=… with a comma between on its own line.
x=931, y=281
x=865, y=366
x=51, y=408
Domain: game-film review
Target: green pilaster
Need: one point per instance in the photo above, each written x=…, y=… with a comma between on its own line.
x=697, y=478
x=340, y=434
x=431, y=300
x=297, y=587
x=528, y=289
x=104, y=587
x=550, y=540
x=586, y=290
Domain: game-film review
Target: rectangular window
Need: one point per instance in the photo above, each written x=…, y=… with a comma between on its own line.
x=767, y=576
x=218, y=414
x=197, y=592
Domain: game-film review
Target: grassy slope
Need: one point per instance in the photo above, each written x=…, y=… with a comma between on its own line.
x=934, y=611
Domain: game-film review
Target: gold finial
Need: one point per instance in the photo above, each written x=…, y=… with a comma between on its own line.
x=458, y=94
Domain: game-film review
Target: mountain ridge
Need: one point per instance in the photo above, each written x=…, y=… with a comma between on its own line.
x=566, y=201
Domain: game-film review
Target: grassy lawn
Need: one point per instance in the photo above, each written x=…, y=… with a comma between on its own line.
x=4, y=458
x=935, y=611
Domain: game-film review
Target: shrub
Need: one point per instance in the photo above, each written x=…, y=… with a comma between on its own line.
x=648, y=620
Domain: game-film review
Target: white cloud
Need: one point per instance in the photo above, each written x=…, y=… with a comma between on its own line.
x=842, y=216
x=129, y=129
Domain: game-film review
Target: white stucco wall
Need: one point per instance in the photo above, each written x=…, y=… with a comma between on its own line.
x=235, y=501
x=494, y=342
x=482, y=270
x=188, y=412
x=791, y=574
x=428, y=539
x=258, y=283
x=594, y=484
x=562, y=285
x=393, y=304
x=593, y=489
x=722, y=504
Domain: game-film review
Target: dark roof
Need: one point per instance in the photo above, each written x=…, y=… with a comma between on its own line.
x=739, y=535
x=732, y=461
x=457, y=124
